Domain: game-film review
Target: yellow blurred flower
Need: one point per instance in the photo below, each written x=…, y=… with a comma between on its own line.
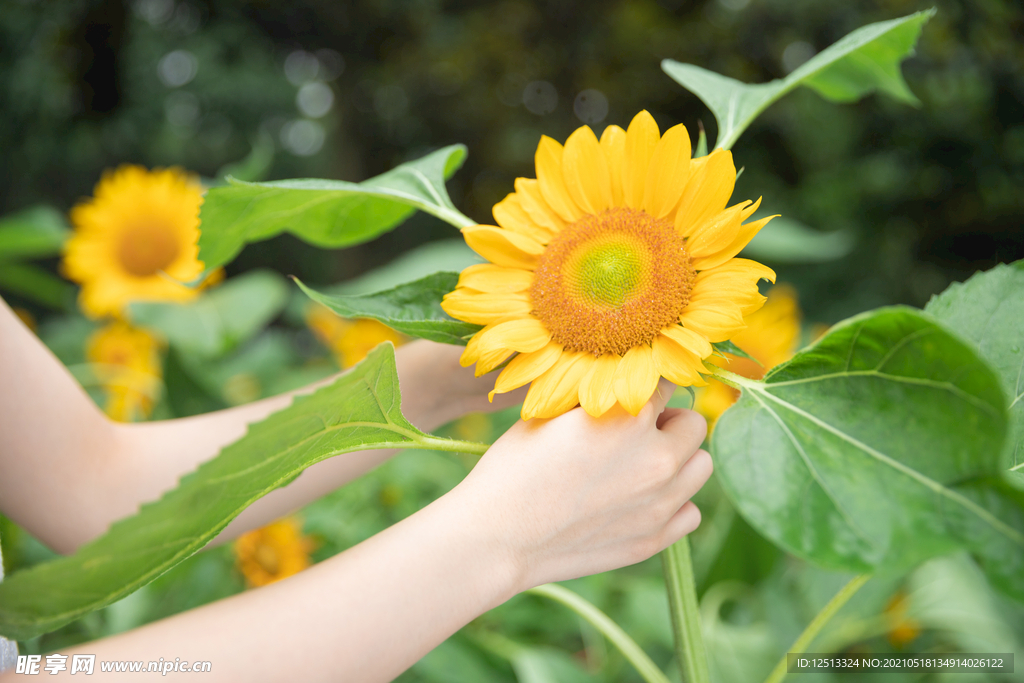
x=349, y=340
x=126, y=361
x=615, y=267
x=771, y=336
x=901, y=629
x=273, y=552
x=136, y=239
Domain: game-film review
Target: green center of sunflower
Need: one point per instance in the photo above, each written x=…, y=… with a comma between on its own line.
x=608, y=274
x=612, y=281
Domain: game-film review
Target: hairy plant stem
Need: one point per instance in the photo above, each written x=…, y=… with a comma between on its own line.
x=683, y=607
x=603, y=623
x=801, y=644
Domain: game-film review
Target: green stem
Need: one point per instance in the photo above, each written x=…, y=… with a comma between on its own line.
x=684, y=608
x=731, y=378
x=437, y=443
x=603, y=623
x=801, y=644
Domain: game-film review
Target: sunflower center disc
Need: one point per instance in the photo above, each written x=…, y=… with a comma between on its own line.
x=612, y=281
x=146, y=250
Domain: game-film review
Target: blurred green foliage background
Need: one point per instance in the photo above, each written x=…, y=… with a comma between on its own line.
x=348, y=90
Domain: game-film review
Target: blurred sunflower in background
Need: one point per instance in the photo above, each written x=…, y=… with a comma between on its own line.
x=126, y=361
x=615, y=267
x=771, y=336
x=349, y=340
x=273, y=552
x=136, y=239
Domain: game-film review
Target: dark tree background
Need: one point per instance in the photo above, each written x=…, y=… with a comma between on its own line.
x=348, y=89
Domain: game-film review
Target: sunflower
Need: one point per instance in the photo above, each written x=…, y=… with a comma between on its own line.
x=135, y=240
x=126, y=361
x=273, y=552
x=349, y=340
x=771, y=337
x=615, y=267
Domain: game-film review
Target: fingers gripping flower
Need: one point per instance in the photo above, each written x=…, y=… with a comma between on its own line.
x=615, y=267
x=135, y=240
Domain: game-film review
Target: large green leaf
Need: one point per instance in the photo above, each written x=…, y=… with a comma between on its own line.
x=851, y=454
x=988, y=310
x=33, y=233
x=1003, y=497
x=360, y=411
x=327, y=213
x=413, y=308
x=866, y=60
x=221, y=319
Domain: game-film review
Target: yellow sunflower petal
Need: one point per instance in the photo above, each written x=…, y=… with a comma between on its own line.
x=689, y=340
x=613, y=144
x=471, y=354
x=708, y=191
x=585, y=170
x=491, y=358
x=532, y=201
x=718, y=231
x=597, y=388
x=487, y=277
x=510, y=214
x=734, y=280
x=552, y=181
x=675, y=363
x=503, y=247
x=641, y=139
x=482, y=308
x=486, y=359
x=744, y=234
x=668, y=172
x=715, y=323
x=557, y=390
x=525, y=368
x=636, y=378
x=522, y=334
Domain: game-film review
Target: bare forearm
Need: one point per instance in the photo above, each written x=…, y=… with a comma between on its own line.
x=365, y=615
x=69, y=472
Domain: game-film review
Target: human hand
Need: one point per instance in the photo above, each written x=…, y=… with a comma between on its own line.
x=577, y=495
x=436, y=389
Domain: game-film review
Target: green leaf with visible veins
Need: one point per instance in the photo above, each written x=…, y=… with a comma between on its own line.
x=855, y=453
x=359, y=411
x=865, y=60
x=326, y=213
x=988, y=310
x=413, y=308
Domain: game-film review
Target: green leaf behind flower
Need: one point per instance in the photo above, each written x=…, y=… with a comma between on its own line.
x=219, y=320
x=988, y=310
x=326, y=213
x=855, y=453
x=413, y=308
x=865, y=60
x=359, y=411
x=37, y=232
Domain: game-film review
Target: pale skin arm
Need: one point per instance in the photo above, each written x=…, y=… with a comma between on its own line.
x=551, y=500
x=68, y=471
